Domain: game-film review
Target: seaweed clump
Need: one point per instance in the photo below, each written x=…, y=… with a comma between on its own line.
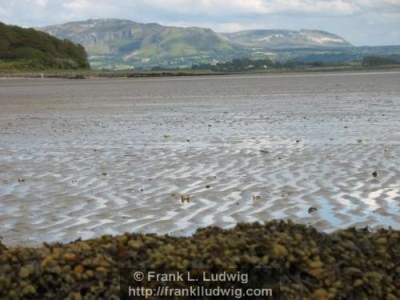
x=347, y=264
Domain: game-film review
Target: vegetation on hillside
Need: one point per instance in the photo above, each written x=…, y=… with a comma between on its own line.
x=22, y=48
x=372, y=60
x=247, y=64
x=122, y=44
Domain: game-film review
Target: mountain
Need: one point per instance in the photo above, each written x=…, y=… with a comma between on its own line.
x=114, y=43
x=123, y=42
x=286, y=39
x=29, y=48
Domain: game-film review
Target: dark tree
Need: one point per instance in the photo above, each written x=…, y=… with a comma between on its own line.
x=40, y=50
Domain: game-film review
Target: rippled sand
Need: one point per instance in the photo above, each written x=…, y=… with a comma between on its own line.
x=82, y=158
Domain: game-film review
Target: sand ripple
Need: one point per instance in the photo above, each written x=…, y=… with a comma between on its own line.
x=259, y=157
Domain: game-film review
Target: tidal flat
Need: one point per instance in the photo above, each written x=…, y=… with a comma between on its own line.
x=83, y=158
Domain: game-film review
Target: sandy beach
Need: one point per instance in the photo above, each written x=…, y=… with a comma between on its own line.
x=83, y=158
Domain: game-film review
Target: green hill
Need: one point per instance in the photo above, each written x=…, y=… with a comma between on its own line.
x=112, y=43
x=22, y=48
x=123, y=44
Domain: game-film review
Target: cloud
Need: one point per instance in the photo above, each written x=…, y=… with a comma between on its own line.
x=41, y=3
x=77, y=5
x=257, y=7
x=393, y=2
x=3, y=15
x=87, y=7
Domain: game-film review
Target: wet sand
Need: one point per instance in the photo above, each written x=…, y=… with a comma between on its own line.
x=82, y=158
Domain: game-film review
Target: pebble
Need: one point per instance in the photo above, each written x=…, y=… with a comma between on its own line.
x=338, y=265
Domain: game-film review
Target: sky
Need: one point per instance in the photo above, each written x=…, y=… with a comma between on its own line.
x=361, y=22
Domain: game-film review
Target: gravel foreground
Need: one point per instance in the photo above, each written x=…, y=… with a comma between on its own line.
x=346, y=264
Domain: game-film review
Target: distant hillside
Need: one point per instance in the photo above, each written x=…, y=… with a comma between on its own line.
x=124, y=44
x=29, y=48
x=285, y=39
x=114, y=43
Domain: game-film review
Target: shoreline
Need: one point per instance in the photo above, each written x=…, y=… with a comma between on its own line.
x=83, y=74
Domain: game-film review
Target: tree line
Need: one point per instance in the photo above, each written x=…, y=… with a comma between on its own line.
x=36, y=49
x=244, y=64
x=372, y=60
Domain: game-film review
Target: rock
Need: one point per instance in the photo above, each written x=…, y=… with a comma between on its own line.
x=279, y=251
x=185, y=198
x=70, y=256
x=374, y=174
x=358, y=282
x=24, y=272
x=316, y=264
x=367, y=229
x=320, y=294
x=29, y=290
x=78, y=270
x=312, y=209
x=256, y=196
x=337, y=265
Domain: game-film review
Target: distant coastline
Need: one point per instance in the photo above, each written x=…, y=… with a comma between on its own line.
x=85, y=74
